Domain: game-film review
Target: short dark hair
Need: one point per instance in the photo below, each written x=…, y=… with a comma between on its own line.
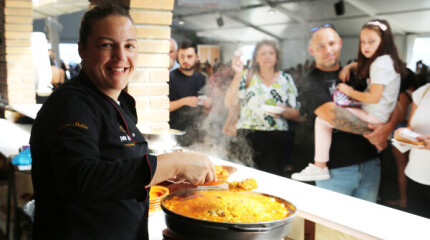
x=187, y=44
x=102, y=10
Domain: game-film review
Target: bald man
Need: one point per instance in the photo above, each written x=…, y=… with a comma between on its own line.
x=173, y=52
x=354, y=164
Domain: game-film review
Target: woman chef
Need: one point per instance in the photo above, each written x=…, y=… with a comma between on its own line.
x=91, y=168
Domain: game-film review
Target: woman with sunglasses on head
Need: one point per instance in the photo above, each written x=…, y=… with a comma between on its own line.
x=91, y=168
x=267, y=133
x=380, y=66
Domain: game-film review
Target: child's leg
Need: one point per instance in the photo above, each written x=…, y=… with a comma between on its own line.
x=318, y=170
x=323, y=131
x=363, y=115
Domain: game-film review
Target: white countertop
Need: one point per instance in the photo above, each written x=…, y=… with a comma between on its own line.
x=29, y=110
x=346, y=214
x=13, y=136
x=356, y=217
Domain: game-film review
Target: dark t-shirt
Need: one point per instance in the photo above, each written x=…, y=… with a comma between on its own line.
x=181, y=86
x=346, y=149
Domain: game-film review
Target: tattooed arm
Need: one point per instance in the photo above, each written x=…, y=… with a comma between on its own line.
x=341, y=118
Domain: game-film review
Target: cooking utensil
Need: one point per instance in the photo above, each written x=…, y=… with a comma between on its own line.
x=193, y=229
x=244, y=185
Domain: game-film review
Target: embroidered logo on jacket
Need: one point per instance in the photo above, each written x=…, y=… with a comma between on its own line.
x=75, y=124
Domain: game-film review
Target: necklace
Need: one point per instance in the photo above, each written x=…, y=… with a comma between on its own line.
x=267, y=81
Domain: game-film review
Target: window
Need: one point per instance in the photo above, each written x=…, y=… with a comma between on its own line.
x=69, y=53
x=420, y=51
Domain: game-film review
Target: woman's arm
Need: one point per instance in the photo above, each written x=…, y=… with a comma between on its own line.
x=373, y=96
x=291, y=113
x=194, y=167
x=231, y=96
x=403, y=103
x=414, y=107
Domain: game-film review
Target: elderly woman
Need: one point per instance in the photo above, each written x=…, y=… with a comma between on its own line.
x=267, y=133
x=91, y=168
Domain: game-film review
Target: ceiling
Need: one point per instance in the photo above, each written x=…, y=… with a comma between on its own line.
x=253, y=20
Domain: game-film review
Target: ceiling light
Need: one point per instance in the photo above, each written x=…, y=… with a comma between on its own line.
x=271, y=11
x=181, y=21
x=220, y=22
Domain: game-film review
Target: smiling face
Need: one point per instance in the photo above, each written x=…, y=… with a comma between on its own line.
x=266, y=57
x=111, y=54
x=325, y=47
x=369, y=42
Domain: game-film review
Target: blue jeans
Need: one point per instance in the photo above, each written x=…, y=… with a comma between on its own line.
x=360, y=180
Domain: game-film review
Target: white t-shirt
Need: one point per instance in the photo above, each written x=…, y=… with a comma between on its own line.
x=382, y=72
x=418, y=168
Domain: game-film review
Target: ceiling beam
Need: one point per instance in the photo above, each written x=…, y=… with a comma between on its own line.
x=248, y=24
x=283, y=10
x=194, y=14
x=367, y=9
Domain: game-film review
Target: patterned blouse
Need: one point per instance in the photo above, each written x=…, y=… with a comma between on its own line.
x=283, y=92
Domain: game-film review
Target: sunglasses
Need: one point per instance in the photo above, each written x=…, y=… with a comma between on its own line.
x=327, y=25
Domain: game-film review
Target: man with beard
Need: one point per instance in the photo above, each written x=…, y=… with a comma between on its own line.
x=184, y=87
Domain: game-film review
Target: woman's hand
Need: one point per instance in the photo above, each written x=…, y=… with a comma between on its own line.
x=288, y=113
x=347, y=90
x=425, y=140
x=196, y=168
x=192, y=167
x=236, y=65
x=398, y=131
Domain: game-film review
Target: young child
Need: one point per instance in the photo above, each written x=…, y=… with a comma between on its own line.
x=379, y=64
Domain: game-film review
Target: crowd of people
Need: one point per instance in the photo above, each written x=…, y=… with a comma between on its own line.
x=92, y=166
x=339, y=141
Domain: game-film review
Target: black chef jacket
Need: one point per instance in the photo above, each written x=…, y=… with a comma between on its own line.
x=90, y=166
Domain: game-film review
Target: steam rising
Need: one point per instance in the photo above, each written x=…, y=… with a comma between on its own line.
x=213, y=141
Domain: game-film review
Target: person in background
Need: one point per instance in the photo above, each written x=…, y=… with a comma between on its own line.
x=418, y=167
x=267, y=133
x=91, y=168
x=407, y=86
x=354, y=164
x=380, y=66
x=58, y=74
x=173, y=52
x=186, y=106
